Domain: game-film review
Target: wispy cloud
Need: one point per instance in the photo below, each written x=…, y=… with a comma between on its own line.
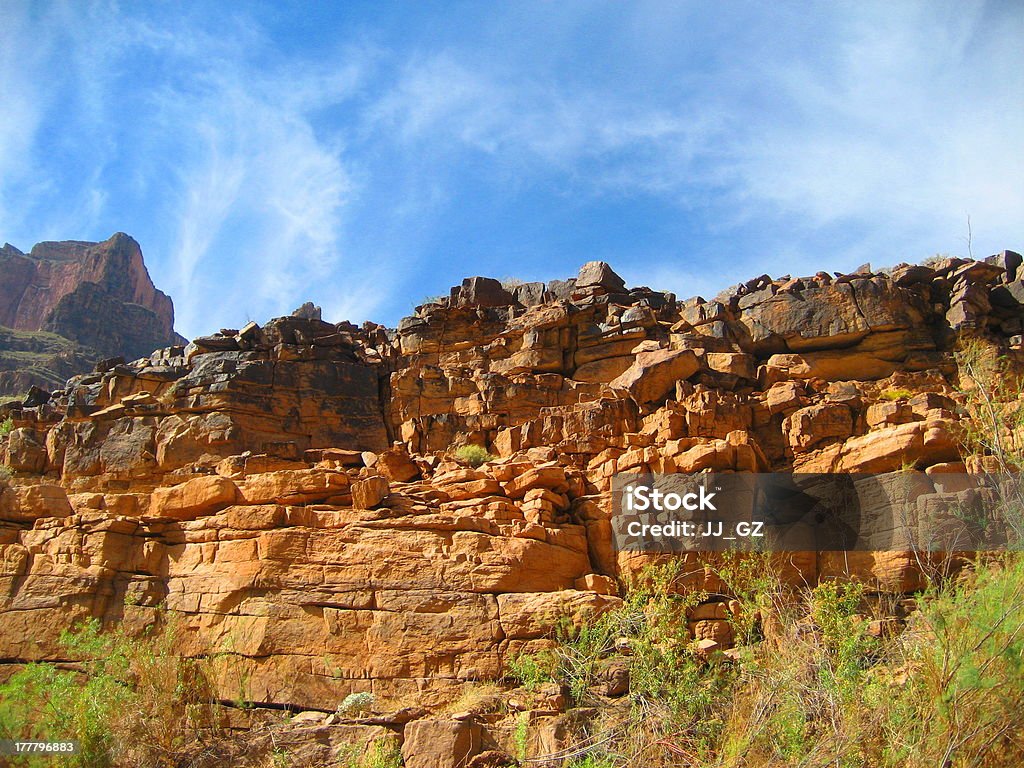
x=21, y=65
x=914, y=119
x=900, y=120
x=536, y=127
x=260, y=195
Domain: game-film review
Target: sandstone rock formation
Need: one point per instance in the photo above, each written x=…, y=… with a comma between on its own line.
x=289, y=490
x=98, y=296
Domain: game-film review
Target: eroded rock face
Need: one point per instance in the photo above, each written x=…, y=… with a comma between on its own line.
x=288, y=490
x=70, y=304
x=293, y=385
x=71, y=288
x=405, y=597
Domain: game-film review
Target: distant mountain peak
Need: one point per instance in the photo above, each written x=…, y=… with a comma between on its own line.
x=97, y=295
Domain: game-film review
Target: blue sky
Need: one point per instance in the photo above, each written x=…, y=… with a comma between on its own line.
x=366, y=155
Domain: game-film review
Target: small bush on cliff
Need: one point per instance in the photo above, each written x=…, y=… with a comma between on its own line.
x=511, y=283
x=356, y=704
x=994, y=411
x=672, y=691
x=135, y=703
x=6, y=426
x=384, y=753
x=590, y=761
x=532, y=670
x=893, y=395
x=427, y=300
x=992, y=429
x=473, y=455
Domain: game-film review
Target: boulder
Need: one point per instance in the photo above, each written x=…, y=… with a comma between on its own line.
x=833, y=366
x=397, y=465
x=552, y=478
x=440, y=743
x=734, y=363
x=25, y=453
x=193, y=498
x=784, y=396
x=918, y=444
x=482, y=292
x=369, y=493
x=823, y=317
x=815, y=424
x=1009, y=262
x=529, y=294
x=1009, y=296
x=293, y=486
x=653, y=375
x=597, y=274
x=26, y=503
x=308, y=311
x=530, y=615
x=604, y=370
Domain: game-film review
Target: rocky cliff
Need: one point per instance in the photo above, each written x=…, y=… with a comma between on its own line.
x=97, y=296
x=290, y=492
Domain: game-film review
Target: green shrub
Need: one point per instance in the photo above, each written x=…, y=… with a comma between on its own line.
x=6, y=426
x=136, y=702
x=521, y=735
x=994, y=411
x=383, y=754
x=356, y=704
x=966, y=692
x=474, y=455
x=532, y=670
x=895, y=394
x=592, y=761
x=847, y=648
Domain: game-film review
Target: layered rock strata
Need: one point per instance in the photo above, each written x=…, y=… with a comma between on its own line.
x=289, y=492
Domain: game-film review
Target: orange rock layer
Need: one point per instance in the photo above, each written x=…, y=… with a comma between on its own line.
x=288, y=491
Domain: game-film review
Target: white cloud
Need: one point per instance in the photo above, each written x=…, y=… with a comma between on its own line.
x=260, y=194
x=55, y=63
x=916, y=122
x=899, y=119
x=210, y=189
x=593, y=135
x=261, y=197
x=21, y=61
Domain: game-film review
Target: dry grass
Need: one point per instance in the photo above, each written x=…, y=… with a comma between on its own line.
x=826, y=689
